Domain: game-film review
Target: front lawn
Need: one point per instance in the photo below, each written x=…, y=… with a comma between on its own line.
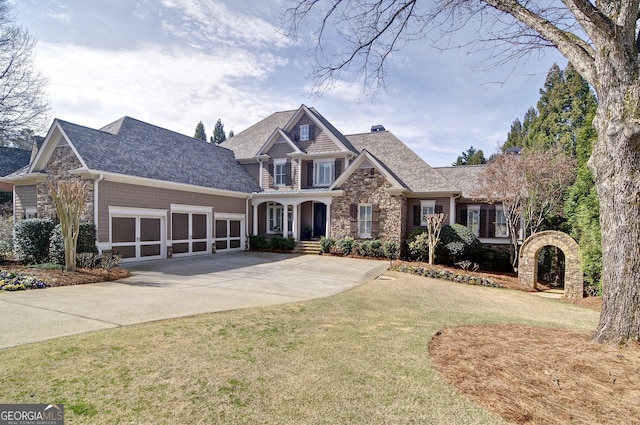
x=358, y=357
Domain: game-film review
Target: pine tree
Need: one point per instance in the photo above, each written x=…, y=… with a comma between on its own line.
x=200, y=133
x=218, y=133
x=471, y=157
x=231, y=134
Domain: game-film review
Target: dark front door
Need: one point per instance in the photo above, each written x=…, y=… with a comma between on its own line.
x=319, y=220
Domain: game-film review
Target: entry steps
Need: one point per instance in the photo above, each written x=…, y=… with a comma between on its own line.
x=307, y=247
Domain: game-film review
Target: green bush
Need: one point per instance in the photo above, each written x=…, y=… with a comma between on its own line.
x=86, y=242
x=258, y=242
x=32, y=238
x=326, y=244
x=370, y=248
x=345, y=245
x=390, y=250
x=419, y=247
x=459, y=242
x=496, y=260
x=279, y=243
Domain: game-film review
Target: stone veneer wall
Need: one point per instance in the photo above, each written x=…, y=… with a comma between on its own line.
x=62, y=160
x=528, y=261
x=364, y=188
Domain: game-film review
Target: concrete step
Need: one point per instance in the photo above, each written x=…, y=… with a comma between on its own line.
x=307, y=247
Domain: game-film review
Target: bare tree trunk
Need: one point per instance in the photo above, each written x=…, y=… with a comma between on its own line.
x=616, y=166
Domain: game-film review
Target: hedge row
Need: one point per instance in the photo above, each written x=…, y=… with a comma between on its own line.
x=446, y=275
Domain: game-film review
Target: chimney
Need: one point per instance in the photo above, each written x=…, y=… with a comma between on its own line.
x=378, y=127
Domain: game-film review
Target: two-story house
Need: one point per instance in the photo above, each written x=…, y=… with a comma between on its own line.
x=155, y=193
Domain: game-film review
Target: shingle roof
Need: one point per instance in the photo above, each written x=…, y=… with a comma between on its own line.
x=247, y=143
x=12, y=159
x=464, y=178
x=400, y=160
x=136, y=148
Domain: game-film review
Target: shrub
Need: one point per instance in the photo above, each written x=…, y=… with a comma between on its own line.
x=419, y=247
x=258, y=242
x=370, y=248
x=110, y=259
x=326, y=244
x=345, y=245
x=32, y=240
x=390, y=250
x=6, y=249
x=459, y=242
x=86, y=242
x=496, y=260
x=279, y=243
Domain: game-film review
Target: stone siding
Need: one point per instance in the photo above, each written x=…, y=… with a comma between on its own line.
x=365, y=187
x=62, y=160
x=528, y=261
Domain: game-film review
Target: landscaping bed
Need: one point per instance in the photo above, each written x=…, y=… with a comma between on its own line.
x=57, y=277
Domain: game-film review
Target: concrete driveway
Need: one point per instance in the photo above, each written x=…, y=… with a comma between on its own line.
x=177, y=288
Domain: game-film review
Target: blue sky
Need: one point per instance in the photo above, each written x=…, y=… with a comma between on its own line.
x=173, y=63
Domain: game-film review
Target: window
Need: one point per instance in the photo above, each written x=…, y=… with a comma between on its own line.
x=279, y=172
x=30, y=213
x=426, y=208
x=365, y=220
x=323, y=172
x=473, y=219
x=274, y=218
x=501, y=223
x=304, y=132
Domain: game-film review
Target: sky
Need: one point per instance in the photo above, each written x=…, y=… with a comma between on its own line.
x=173, y=63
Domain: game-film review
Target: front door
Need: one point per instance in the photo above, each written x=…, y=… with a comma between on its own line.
x=319, y=220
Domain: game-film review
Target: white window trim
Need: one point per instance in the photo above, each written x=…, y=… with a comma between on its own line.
x=471, y=208
x=306, y=132
x=278, y=216
x=276, y=163
x=316, y=172
x=30, y=212
x=500, y=210
x=431, y=203
x=365, y=235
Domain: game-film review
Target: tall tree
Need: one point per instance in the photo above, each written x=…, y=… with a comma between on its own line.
x=200, y=132
x=471, y=157
x=231, y=134
x=23, y=103
x=218, y=133
x=600, y=39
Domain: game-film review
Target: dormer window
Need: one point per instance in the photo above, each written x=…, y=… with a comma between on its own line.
x=304, y=132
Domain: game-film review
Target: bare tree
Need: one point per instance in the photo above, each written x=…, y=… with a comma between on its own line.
x=69, y=197
x=434, y=226
x=504, y=181
x=23, y=103
x=600, y=39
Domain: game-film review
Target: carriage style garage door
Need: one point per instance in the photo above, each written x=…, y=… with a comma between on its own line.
x=138, y=234
x=190, y=230
x=229, y=232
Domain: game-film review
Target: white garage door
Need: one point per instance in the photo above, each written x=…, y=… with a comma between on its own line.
x=189, y=233
x=229, y=232
x=140, y=236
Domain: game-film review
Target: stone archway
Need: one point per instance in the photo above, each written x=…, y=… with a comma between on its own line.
x=528, y=261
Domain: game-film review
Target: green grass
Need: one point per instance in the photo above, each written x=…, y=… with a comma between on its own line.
x=359, y=357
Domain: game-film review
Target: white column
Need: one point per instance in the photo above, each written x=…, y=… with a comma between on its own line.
x=285, y=220
x=294, y=225
x=299, y=173
x=255, y=219
x=260, y=174
x=327, y=230
x=452, y=210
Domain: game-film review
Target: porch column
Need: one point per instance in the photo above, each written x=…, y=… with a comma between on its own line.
x=327, y=230
x=452, y=210
x=294, y=224
x=285, y=220
x=255, y=219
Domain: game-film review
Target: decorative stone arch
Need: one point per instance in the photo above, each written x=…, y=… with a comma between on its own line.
x=528, y=261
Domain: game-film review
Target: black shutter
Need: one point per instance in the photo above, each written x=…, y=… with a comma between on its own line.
x=312, y=131
x=416, y=215
x=309, y=174
x=462, y=216
x=337, y=168
x=287, y=180
x=484, y=223
x=438, y=209
x=272, y=173
x=492, y=222
x=353, y=220
x=375, y=221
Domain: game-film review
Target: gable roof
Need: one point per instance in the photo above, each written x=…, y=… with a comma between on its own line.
x=13, y=159
x=463, y=177
x=247, y=143
x=366, y=156
x=414, y=173
x=135, y=148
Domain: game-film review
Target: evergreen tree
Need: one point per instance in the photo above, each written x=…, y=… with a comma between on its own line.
x=218, y=133
x=200, y=133
x=471, y=157
x=231, y=134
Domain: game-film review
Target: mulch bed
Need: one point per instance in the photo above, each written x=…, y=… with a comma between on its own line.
x=62, y=278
